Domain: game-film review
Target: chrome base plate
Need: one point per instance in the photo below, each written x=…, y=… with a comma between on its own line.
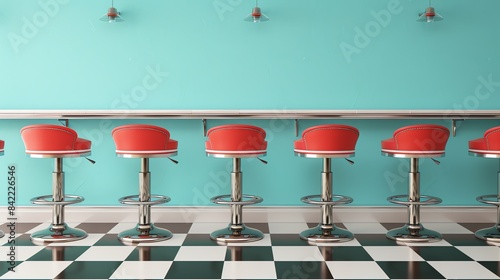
x=414, y=233
x=489, y=234
x=236, y=233
x=57, y=233
x=144, y=233
x=326, y=233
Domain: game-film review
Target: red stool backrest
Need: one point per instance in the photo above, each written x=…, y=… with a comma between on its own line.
x=329, y=137
x=47, y=137
x=424, y=137
x=142, y=137
x=492, y=137
x=236, y=137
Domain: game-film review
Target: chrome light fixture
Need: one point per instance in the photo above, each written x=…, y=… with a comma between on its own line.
x=112, y=15
x=430, y=15
x=256, y=15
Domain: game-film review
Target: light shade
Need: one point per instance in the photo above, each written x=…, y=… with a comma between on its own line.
x=256, y=16
x=430, y=15
x=112, y=16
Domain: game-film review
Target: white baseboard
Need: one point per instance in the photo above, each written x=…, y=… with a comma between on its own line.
x=31, y=214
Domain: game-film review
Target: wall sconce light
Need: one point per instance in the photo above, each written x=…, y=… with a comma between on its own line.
x=430, y=15
x=256, y=15
x=112, y=15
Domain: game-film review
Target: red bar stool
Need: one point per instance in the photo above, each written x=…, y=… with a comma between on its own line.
x=2, y=145
x=327, y=142
x=236, y=141
x=144, y=142
x=58, y=142
x=489, y=147
x=415, y=142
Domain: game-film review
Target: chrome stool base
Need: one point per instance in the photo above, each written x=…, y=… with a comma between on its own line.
x=489, y=234
x=326, y=233
x=236, y=233
x=57, y=233
x=144, y=233
x=414, y=233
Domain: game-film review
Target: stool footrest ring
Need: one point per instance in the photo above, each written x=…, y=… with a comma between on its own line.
x=489, y=199
x=336, y=200
x=48, y=200
x=424, y=200
x=134, y=200
x=246, y=200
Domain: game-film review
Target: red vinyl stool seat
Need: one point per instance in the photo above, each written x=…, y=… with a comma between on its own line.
x=327, y=142
x=236, y=141
x=415, y=142
x=144, y=141
x=2, y=145
x=489, y=147
x=58, y=142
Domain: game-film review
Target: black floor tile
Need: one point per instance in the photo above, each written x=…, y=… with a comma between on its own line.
x=410, y=270
x=344, y=253
x=89, y=270
x=287, y=240
x=198, y=240
x=476, y=226
x=19, y=228
x=249, y=253
x=374, y=240
x=59, y=253
x=302, y=270
x=264, y=227
x=152, y=253
x=464, y=240
x=492, y=266
x=109, y=240
x=96, y=227
x=22, y=240
x=195, y=270
x=175, y=227
x=441, y=253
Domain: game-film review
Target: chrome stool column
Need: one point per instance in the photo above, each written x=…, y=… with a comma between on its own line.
x=58, y=142
x=236, y=142
x=144, y=142
x=489, y=147
x=327, y=142
x=415, y=142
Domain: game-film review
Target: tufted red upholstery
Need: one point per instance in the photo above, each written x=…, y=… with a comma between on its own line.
x=329, y=139
x=422, y=139
x=489, y=144
x=236, y=139
x=143, y=139
x=53, y=140
x=2, y=144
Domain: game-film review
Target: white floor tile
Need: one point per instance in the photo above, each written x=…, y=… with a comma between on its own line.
x=481, y=253
x=287, y=228
x=371, y=228
x=462, y=270
x=392, y=253
x=142, y=270
x=249, y=270
x=201, y=253
x=122, y=226
x=106, y=253
x=37, y=270
x=356, y=270
x=21, y=253
x=207, y=228
x=297, y=253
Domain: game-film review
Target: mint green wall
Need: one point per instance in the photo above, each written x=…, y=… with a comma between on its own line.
x=200, y=54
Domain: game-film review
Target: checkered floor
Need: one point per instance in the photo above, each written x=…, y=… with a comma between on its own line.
x=190, y=254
